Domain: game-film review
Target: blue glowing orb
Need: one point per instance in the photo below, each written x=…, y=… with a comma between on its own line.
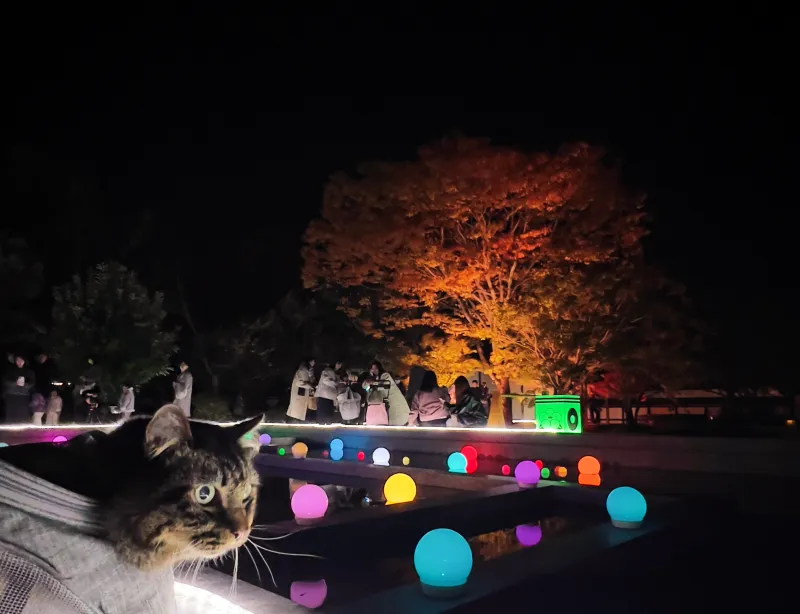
x=443, y=559
x=336, y=454
x=457, y=463
x=264, y=439
x=337, y=444
x=627, y=507
x=3, y=444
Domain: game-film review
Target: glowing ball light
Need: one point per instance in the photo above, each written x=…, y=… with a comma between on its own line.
x=325, y=454
x=471, y=454
x=627, y=507
x=380, y=457
x=588, y=479
x=457, y=463
x=545, y=473
x=399, y=488
x=527, y=474
x=539, y=464
x=528, y=534
x=309, y=503
x=589, y=465
x=309, y=594
x=505, y=470
x=561, y=472
x=443, y=560
x=337, y=444
x=264, y=439
x=336, y=454
x=361, y=456
x=406, y=460
x=281, y=451
x=3, y=444
x=299, y=450
x=59, y=439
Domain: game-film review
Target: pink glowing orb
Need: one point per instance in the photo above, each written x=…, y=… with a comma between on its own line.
x=505, y=470
x=59, y=439
x=309, y=502
x=264, y=439
x=309, y=594
x=527, y=473
x=528, y=534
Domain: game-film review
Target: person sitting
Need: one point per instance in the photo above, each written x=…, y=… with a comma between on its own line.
x=427, y=406
x=468, y=410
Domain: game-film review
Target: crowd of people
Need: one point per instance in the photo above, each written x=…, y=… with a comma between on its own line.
x=375, y=398
x=35, y=394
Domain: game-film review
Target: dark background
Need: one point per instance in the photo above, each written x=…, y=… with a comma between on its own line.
x=207, y=135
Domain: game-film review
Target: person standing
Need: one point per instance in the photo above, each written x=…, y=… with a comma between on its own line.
x=428, y=403
x=302, y=389
x=38, y=407
x=385, y=402
x=127, y=402
x=54, y=407
x=326, y=393
x=17, y=386
x=183, y=389
x=467, y=409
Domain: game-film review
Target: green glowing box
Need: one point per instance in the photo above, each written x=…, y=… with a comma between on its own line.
x=558, y=413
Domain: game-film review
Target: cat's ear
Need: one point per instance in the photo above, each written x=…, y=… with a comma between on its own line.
x=246, y=434
x=168, y=427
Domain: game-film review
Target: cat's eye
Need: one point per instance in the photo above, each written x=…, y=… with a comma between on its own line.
x=204, y=494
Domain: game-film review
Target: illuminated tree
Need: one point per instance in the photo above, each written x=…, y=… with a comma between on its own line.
x=486, y=244
x=448, y=357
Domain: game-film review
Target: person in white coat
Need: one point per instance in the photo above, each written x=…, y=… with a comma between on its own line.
x=326, y=393
x=127, y=402
x=302, y=389
x=183, y=389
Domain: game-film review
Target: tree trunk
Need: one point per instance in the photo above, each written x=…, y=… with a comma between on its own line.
x=500, y=411
x=627, y=412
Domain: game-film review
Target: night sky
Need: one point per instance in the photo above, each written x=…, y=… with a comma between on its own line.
x=225, y=124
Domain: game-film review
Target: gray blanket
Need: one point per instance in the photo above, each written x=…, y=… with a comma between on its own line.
x=54, y=558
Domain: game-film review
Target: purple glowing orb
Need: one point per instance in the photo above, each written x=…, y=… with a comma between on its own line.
x=309, y=503
x=309, y=594
x=527, y=473
x=59, y=439
x=264, y=439
x=529, y=534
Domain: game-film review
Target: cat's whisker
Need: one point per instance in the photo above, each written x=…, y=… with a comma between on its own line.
x=255, y=566
x=270, y=539
x=232, y=590
x=309, y=556
x=269, y=569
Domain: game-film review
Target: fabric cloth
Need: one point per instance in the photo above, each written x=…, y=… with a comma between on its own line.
x=183, y=392
x=377, y=415
x=428, y=406
x=302, y=387
x=55, y=560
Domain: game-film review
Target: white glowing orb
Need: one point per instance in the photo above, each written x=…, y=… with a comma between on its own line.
x=381, y=457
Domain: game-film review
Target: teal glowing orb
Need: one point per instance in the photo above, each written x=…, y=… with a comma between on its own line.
x=627, y=507
x=337, y=444
x=457, y=463
x=3, y=444
x=443, y=559
x=336, y=454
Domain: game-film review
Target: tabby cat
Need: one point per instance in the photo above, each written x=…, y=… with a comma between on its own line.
x=170, y=489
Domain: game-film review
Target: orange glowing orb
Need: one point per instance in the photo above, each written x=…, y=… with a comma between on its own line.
x=561, y=472
x=589, y=479
x=589, y=465
x=399, y=488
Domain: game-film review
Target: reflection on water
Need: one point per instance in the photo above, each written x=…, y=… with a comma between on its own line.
x=309, y=594
x=505, y=541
